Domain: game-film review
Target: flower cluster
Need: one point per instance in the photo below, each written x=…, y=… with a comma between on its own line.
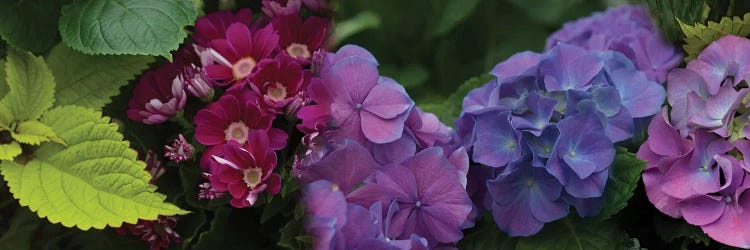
x=262, y=67
x=628, y=30
x=380, y=172
x=548, y=124
x=698, y=153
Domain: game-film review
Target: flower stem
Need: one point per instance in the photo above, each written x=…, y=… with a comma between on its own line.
x=179, y=118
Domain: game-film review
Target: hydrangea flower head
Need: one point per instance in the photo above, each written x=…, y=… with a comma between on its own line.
x=246, y=171
x=237, y=56
x=697, y=153
x=628, y=30
x=158, y=95
x=548, y=123
x=352, y=97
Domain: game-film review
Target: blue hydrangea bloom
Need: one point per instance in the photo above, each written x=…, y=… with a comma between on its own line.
x=548, y=125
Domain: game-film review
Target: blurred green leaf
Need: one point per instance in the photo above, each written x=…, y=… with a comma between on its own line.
x=363, y=21
x=557, y=11
x=667, y=12
x=670, y=229
x=21, y=231
x=213, y=238
x=30, y=24
x=486, y=235
x=453, y=13
x=450, y=109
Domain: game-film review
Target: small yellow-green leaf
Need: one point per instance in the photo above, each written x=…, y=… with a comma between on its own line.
x=698, y=36
x=9, y=151
x=31, y=86
x=6, y=117
x=34, y=132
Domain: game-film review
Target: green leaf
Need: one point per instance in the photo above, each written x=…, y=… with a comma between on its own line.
x=362, y=21
x=625, y=174
x=9, y=151
x=667, y=12
x=486, y=235
x=96, y=181
x=30, y=24
x=453, y=14
x=557, y=11
x=290, y=235
x=21, y=231
x=34, y=133
x=574, y=233
x=6, y=118
x=670, y=229
x=31, y=86
x=215, y=235
x=699, y=36
x=3, y=84
x=450, y=109
x=126, y=26
x=91, y=80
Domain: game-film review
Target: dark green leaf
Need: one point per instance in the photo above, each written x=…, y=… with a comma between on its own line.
x=624, y=176
x=453, y=13
x=362, y=21
x=573, y=233
x=557, y=11
x=133, y=27
x=30, y=24
x=450, y=109
x=214, y=237
x=21, y=231
x=667, y=12
x=670, y=229
x=486, y=235
x=290, y=234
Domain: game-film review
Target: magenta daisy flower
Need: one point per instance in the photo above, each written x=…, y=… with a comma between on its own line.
x=237, y=55
x=231, y=118
x=246, y=171
x=158, y=95
x=300, y=39
x=278, y=81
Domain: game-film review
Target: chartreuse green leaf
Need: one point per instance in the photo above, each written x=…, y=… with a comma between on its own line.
x=450, y=109
x=34, y=132
x=91, y=80
x=698, y=36
x=119, y=27
x=95, y=181
x=31, y=86
x=624, y=175
x=9, y=151
x=573, y=233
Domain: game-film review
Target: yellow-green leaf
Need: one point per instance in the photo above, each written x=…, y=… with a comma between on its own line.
x=9, y=151
x=31, y=86
x=34, y=133
x=698, y=36
x=95, y=181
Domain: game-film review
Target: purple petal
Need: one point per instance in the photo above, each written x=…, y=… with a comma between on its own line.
x=387, y=99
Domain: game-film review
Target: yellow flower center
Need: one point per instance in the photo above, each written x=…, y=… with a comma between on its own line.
x=243, y=68
x=252, y=177
x=277, y=92
x=237, y=131
x=298, y=50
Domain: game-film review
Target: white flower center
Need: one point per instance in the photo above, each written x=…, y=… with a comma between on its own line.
x=243, y=68
x=252, y=177
x=298, y=50
x=237, y=131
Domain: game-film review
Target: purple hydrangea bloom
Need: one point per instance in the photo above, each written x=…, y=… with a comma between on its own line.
x=697, y=154
x=356, y=100
x=628, y=30
x=552, y=118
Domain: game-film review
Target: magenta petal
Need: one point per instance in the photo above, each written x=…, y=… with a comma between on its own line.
x=666, y=140
x=277, y=139
x=380, y=130
x=387, y=99
x=731, y=228
x=702, y=210
x=238, y=35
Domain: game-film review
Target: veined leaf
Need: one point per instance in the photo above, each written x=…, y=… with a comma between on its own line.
x=667, y=12
x=699, y=36
x=31, y=86
x=9, y=151
x=94, y=182
x=573, y=233
x=30, y=24
x=34, y=132
x=91, y=80
x=625, y=173
x=119, y=27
